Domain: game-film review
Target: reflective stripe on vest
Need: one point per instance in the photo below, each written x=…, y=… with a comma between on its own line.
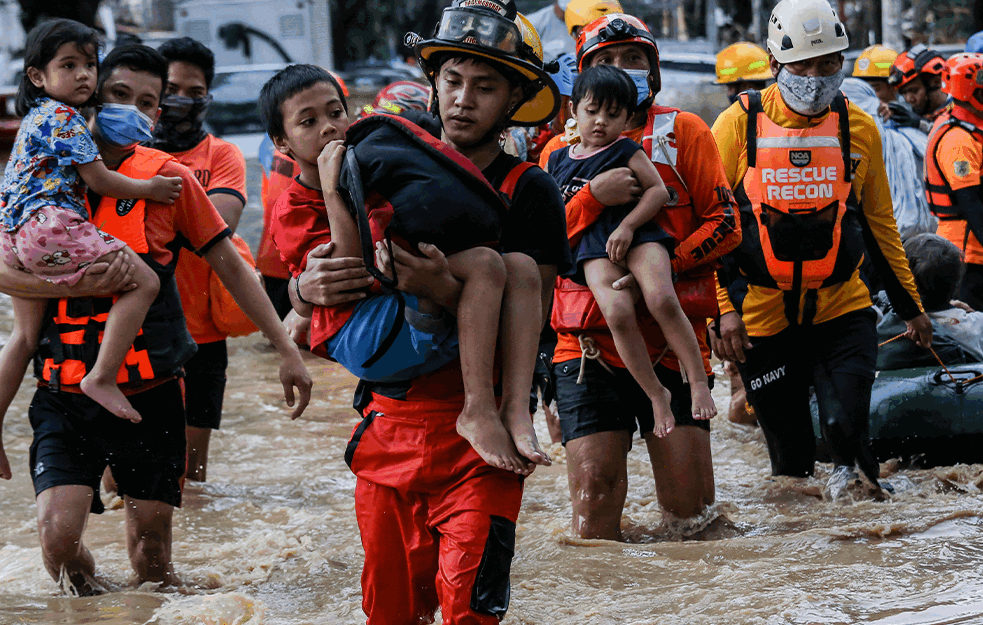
x=73, y=344
x=799, y=215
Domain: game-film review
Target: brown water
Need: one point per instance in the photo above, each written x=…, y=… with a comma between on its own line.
x=271, y=538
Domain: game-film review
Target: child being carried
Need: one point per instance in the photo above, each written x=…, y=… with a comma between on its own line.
x=624, y=240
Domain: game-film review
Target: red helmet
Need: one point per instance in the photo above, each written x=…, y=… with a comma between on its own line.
x=913, y=63
x=615, y=29
x=962, y=79
x=341, y=83
x=398, y=97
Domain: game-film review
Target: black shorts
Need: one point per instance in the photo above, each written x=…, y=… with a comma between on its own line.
x=75, y=439
x=542, y=377
x=276, y=290
x=606, y=402
x=204, y=385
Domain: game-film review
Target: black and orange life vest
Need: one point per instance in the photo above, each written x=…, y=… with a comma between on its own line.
x=73, y=328
x=799, y=215
x=952, y=223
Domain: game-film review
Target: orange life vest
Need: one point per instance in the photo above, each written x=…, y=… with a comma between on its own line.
x=799, y=215
x=73, y=328
x=952, y=225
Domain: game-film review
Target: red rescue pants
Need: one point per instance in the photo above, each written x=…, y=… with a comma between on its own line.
x=437, y=523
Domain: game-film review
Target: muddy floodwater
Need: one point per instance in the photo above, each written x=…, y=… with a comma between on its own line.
x=271, y=537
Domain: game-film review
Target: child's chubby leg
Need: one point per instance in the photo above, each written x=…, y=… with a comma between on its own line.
x=618, y=308
x=522, y=322
x=482, y=271
x=15, y=357
x=122, y=326
x=650, y=264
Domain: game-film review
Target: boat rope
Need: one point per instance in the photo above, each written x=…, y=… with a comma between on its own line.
x=952, y=378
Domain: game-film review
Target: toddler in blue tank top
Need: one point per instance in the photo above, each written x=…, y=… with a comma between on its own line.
x=624, y=239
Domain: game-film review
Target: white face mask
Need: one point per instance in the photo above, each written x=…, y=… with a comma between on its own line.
x=808, y=95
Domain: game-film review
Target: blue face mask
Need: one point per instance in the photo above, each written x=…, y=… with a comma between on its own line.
x=124, y=125
x=641, y=79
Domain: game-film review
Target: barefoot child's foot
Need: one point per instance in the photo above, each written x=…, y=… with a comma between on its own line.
x=519, y=425
x=109, y=397
x=703, y=404
x=662, y=413
x=486, y=433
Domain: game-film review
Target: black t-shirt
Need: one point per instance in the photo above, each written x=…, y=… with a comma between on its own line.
x=536, y=223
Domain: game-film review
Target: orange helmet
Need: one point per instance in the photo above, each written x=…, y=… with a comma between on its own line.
x=397, y=97
x=962, y=79
x=341, y=83
x=616, y=29
x=913, y=63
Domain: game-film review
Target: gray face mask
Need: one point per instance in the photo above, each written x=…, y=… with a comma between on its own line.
x=808, y=95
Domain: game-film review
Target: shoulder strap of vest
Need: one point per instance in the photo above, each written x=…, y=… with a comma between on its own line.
x=839, y=107
x=507, y=188
x=146, y=162
x=753, y=107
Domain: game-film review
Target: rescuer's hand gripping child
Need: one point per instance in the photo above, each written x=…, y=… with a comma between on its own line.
x=46, y=231
x=624, y=240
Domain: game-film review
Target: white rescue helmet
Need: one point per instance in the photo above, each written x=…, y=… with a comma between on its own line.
x=804, y=29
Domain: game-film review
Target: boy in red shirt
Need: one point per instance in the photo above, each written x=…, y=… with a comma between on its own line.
x=427, y=341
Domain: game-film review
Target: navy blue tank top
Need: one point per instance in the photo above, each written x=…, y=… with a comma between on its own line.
x=573, y=174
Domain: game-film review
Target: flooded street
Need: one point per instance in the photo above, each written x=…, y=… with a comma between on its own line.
x=271, y=537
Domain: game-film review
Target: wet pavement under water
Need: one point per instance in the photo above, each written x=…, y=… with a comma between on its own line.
x=271, y=537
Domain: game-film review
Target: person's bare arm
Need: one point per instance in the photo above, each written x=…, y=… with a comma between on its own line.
x=328, y=281
x=651, y=202
x=229, y=207
x=344, y=231
x=428, y=276
x=99, y=280
x=245, y=287
x=114, y=184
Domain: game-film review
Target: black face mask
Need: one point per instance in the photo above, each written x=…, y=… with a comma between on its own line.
x=180, y=125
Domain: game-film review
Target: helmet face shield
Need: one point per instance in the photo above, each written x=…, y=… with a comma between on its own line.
x=479, y=28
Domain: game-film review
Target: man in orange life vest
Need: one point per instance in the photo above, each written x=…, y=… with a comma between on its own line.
x=74, y=439
x=221, y=169
x=424, y=498
x=599, y=403
x=953, y=163
x=809, y=177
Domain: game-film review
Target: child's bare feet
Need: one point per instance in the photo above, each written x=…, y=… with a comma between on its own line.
x=109, y=397
x=487, y=434
x=703, y=404
x=662, y=413
x=519, y=425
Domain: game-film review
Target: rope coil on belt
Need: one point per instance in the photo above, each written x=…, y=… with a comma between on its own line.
x=590, y=351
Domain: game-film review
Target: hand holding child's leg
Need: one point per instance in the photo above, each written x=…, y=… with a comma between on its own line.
x=618, y=308
x=122, y=326
x=482, y=271
x=650, y=264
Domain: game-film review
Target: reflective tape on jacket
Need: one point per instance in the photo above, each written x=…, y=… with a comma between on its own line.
x=73, y=330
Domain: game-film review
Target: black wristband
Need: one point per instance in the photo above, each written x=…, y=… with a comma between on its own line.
x=297, y=290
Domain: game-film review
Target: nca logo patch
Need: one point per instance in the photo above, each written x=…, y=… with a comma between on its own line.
x=800, y=158
x=123, y=207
